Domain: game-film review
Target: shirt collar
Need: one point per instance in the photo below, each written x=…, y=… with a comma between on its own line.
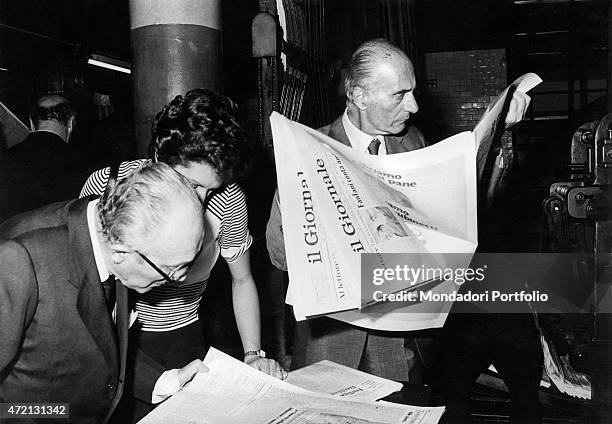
x=97, y=250
x=358, y=139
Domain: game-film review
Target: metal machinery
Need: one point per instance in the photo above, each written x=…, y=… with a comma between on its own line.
x=579, y=218
x=301, y=78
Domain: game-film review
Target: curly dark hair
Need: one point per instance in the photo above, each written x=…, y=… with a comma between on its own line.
x=201, y=127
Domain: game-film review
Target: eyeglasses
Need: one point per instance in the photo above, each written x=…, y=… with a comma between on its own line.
x=168, y=277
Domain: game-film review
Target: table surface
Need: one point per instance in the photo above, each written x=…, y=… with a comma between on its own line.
x=411, y=394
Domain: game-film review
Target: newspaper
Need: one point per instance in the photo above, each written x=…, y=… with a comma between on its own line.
x=12, y=130
x=562, y=374
x=337, y=202
x=338, y=380
x=235, y=393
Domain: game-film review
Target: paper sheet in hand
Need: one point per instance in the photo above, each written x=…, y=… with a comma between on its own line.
x=334, y=201
x=234, y=393
x=492, y=122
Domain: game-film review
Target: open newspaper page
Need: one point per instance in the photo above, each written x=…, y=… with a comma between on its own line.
x=337, y=203
x=235, y=393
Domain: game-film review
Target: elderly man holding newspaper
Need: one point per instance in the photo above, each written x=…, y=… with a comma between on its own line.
x=380, y=90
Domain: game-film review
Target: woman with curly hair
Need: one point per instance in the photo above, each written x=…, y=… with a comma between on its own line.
x=198, y=135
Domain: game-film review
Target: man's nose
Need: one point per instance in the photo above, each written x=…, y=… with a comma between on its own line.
x=410, y=103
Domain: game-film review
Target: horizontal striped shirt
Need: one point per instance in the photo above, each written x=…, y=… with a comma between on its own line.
x=226, y=234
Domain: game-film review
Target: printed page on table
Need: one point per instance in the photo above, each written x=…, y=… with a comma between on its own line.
x=339, y=380
x=232, y=392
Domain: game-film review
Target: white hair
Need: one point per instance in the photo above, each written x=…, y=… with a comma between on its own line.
x=365, y=59
x=138, y=206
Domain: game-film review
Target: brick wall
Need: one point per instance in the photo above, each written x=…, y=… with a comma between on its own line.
x=459, y=86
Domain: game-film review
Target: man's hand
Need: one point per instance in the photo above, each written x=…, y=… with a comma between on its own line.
x=518, y=108
x=189, y=371
x=266, y=365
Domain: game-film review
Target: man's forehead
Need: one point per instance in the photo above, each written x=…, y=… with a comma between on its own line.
x=398, y=73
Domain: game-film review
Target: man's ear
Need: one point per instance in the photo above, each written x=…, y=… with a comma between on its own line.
x=359, y=98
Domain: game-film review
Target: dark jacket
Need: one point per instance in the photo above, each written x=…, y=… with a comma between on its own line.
x=39, y=170
x=59, y=343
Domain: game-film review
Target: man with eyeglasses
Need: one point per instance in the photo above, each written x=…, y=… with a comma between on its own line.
x=200, y=136
x=168, y=277
x=64, y=270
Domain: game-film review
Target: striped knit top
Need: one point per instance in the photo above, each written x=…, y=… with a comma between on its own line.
x=226, y=233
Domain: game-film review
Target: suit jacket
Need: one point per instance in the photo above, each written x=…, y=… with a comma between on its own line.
x=411, y=139
x=59, y=343
x=387, y=354
x=39, y=170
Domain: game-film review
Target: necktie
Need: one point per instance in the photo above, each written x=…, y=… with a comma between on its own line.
x=109, y=292
x=373, y=146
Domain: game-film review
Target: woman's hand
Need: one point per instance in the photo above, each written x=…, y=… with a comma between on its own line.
x=266, y=365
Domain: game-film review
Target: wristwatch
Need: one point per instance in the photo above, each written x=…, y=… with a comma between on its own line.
x=259, y=353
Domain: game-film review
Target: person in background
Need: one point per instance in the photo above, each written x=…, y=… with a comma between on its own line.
x=64, y=270
x=199, y=136
x=44, y=167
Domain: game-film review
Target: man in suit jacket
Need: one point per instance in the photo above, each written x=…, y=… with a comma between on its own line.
x=379, y=87
x=59, y=342
x=44, y=167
